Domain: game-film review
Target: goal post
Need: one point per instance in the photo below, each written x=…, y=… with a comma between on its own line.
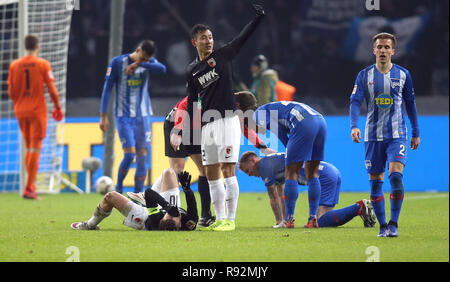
x=50, y=20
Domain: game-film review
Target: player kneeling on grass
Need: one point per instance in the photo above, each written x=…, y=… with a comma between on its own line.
x=150, y=210
x=272, y=170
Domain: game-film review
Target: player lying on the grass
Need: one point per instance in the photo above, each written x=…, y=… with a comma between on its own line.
x=271, y=169
x=154, y=212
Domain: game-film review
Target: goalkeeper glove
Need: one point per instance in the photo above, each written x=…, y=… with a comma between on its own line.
x=185, y=180
x=57, y=114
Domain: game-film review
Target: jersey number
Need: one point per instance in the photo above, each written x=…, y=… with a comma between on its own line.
x=173, y=201
x=402, y=150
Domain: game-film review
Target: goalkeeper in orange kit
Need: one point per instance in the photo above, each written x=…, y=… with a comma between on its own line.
x=26, y=80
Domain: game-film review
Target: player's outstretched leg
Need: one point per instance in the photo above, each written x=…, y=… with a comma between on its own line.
x=102, y=211
x=340, y=217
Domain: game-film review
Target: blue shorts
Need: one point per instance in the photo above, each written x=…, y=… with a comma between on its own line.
x=329, y=195
x=378, y=152
x=134, y=132
x=307, y=140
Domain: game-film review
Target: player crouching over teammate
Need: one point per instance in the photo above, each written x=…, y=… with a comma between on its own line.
x=272, y=170
x=152, y=212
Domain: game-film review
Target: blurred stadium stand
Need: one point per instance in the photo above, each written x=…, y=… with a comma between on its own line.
x=316, y=45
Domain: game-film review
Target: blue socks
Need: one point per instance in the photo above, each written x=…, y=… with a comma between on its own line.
x=377, y=199
x=314, y=190
x=397, y=194
x=290, y=197
x=141, y=173
x=338, y=217
x=123, y=170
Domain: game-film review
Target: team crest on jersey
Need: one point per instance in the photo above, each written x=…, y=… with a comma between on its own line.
x=211, y=62
x=384, y=101
x=395, y=82
x=228, y=151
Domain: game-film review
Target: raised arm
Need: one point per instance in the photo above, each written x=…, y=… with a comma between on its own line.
x=185, y=180
x=236, y=44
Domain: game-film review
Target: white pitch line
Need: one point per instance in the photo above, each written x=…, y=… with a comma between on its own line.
x=426, y=197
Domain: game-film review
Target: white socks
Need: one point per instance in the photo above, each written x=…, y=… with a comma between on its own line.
x=220, y=196
x=98, y=216
x=217, y=191
x=232, y=196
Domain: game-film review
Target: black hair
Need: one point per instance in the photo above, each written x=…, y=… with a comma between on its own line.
x=196, y=29
x=148, y=46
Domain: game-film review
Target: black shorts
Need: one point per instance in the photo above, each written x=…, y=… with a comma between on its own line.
x=184, y=150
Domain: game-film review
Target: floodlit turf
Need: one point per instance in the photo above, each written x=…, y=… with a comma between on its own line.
x=40, y=231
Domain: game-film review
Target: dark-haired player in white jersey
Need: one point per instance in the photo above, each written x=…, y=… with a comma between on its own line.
x=387, y=88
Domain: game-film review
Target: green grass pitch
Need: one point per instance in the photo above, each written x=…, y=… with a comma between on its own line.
x=40, y=231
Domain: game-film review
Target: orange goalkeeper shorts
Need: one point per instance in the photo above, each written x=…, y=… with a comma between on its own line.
x=33, y=128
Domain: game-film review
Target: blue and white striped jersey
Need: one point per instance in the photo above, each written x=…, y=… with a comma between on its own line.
x=281, y=117
x=384, y=95
x=132, y=97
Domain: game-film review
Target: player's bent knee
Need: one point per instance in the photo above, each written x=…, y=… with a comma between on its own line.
x=110, y=196
x=168, y=172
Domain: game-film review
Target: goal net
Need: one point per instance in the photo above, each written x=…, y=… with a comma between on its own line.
x=50, y=20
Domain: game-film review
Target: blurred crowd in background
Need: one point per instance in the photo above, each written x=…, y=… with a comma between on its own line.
x=318, y=46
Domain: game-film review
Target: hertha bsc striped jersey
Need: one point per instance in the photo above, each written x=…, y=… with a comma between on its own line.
x=281, y=117
x=385, y=95
x=132, y=97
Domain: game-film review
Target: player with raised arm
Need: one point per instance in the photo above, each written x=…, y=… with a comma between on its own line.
x=130, y=75
x=271, y=169
x=177, y=152
x=154, y=212
x=386, y=87
x=26, y=79
x=302, y=130
x=209, y=85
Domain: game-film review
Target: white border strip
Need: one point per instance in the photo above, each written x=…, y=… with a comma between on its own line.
x=426, y=197
x=6, y=2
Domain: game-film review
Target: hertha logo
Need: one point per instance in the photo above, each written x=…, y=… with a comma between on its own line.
x=211, y=62
x=396, y=82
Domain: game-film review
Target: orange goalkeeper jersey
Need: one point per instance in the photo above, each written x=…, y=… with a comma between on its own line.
x=26, y=79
